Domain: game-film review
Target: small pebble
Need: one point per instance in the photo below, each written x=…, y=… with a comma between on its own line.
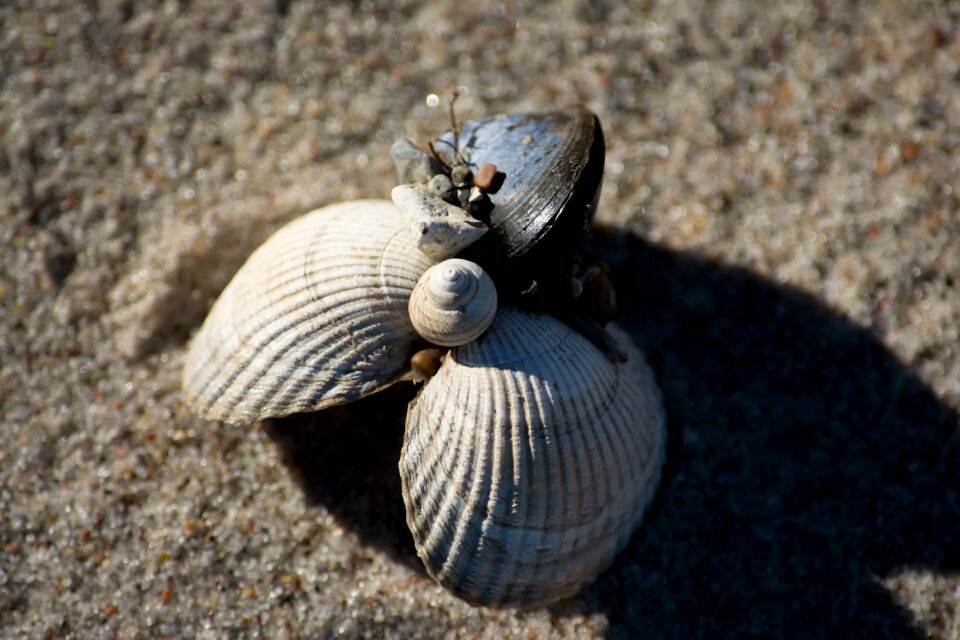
x=461, y=175
x=485, y=176
x=413, y=164
x=463, y=197
x=479, y=204
x=442, y=186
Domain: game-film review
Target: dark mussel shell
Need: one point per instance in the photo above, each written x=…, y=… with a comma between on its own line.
x=552, y=168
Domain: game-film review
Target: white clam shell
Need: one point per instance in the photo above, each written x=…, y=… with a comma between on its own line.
x=453, y=303
x=529, y=460
x=316, y=317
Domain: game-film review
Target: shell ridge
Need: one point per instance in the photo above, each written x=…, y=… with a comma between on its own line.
x=304, y=261
x=472, y=352
x=413, y=450
x=519, y=435
x=319, y=381
x=258, y=347
x=200, y=366
x=322, y=379
x=565, y=536
x=462, y=563
x=583, y=411
x=481, y=485
x=413, y=483
x=535, y=415
x=609, y=442
x=549, y=510
x=477, y=352
x=635, y=446
x=609, y=494
x=222, y=351
x=291, y=241
x=440, y=482
x=440, y=528
x=482, y=580
x=440, y=385
x=494, y=553
x=517, y=529
x=283, y=341
x=301, y=270
x=599, y=399
x=403, y=238
x=601, y=515
x=649, y=398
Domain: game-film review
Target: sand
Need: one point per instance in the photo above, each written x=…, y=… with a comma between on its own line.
x=781, y=208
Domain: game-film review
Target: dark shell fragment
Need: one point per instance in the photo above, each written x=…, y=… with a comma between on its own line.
x=551, y=165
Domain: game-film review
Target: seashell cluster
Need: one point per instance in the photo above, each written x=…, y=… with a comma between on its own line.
x=536, y=443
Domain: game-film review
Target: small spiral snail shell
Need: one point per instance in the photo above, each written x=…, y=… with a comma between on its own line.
x=453, y=303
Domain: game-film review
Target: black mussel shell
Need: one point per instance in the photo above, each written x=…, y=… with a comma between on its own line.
x=550, y=168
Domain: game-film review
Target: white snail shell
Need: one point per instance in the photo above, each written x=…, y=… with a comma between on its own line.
x=453, y=303
x=528, y=461
x=316, y=317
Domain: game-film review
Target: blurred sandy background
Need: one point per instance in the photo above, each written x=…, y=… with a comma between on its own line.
x=780, y=201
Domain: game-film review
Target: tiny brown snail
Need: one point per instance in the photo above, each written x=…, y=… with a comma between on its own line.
x=535, y=444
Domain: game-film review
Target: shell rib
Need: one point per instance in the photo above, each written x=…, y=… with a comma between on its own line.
x=453, y=303
x=316, y=317
x=529, y=460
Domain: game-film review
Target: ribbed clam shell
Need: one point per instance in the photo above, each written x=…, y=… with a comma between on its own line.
x=528, y=461
x=453, y=303
x=316, y=317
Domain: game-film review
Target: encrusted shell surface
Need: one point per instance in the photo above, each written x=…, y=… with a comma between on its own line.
x=442, y=230
x=453, y=303
x=316, y=317
x=528, y=461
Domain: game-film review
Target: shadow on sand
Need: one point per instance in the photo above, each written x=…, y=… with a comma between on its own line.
x=806, y=463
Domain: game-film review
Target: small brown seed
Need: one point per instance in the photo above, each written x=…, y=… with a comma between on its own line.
x=426, y=362
x=485, y=176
